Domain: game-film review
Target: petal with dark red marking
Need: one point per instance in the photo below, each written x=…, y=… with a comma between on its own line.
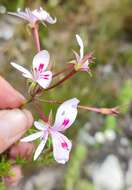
x=61, y=147
x=66, y=114
x=44, y=79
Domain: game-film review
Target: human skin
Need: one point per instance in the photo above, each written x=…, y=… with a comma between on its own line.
x=14, y=122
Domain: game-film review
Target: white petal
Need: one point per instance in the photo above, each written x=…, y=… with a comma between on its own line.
x=27, y=15
x=40, y=126
x=61, y=147
x=50, y=20
x=32, y=137
x=44, y=79
x=40, y=13
x=41, y=146
x=43, y=15
x=24, y=71
x=20, y=14
x=41, y=59
x=66, y=114
x=31, y=17
x=77, y=56
x=80, y=43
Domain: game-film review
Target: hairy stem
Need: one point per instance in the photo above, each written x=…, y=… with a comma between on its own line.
x=41, y=113
x=64, y=70
x=62, y=80
x=36, y=38
x=106, y=111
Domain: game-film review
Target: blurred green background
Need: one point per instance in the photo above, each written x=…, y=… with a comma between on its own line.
x=106, y=29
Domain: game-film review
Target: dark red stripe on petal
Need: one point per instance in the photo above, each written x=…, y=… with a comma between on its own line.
x=64, y=145
x=41, y=66
x=65, y=122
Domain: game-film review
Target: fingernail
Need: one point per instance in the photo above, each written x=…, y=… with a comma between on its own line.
x=21, y=97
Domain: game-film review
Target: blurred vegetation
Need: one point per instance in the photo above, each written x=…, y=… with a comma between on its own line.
x=73, y=172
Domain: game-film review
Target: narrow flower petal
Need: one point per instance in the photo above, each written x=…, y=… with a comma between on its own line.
x=44, y=16
x=61, y=147
x=32, y=137
x=34, y=16
x=50, y=20
x=80, y=43
x=19, y=14
x=40, y=126
x=40, y=13
x=24, y=71
x=66, y=114
x=85, y=66
x=25, y=15
x=76, y=56
x=44, y=79
x=41, y=146
x=41, y=61
x=31, y=17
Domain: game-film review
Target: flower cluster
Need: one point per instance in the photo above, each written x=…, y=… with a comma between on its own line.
x=41, y=76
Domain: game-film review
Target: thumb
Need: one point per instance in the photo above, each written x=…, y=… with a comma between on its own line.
x=9, y=97
x=13, y=124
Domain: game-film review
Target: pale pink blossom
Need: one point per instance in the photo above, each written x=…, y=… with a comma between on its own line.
x=82, y=62
x=66, y=115
x=37, y=15
x=39, y=73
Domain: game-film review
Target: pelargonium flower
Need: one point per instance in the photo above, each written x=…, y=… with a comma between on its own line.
x=39, y=73
x=38, y=15
x=82, y=62
x=66, y=115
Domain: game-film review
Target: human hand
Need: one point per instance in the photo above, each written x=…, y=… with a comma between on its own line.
x=14, y=122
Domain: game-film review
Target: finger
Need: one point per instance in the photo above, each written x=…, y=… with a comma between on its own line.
x=23, y=150
x=13, y=124
x=14, y=177
x=9, y=97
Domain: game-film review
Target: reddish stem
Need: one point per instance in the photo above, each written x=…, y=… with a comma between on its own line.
x=36, y=37
x=62, y=80
x=41, y=113
x=106, y=111
x=64, y=70
x=89, y=108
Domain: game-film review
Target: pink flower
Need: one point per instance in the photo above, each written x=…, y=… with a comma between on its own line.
x=82, y=62
x=38, y=15
x=39, y=73
x=66, y=115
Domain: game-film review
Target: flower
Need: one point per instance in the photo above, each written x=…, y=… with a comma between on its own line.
x=66, y=115
x=82, y=62
x=38, y=74
x=38, y=15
